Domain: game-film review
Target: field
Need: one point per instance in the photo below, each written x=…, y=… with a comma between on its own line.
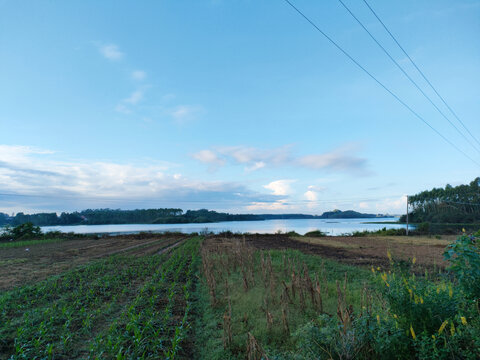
x=174, y=296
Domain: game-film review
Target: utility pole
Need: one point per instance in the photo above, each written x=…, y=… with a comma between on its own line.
x=407, y=215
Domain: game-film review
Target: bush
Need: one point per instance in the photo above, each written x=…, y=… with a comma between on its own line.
x=416, y=317
x=24, y=231
x=292, y=233
x=382, y=232
x=419, y=303
x=464, y=257
x=315, y=233
x=423, y=228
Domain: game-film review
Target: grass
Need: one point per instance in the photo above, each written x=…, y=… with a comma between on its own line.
x=260, y=310
x=22, y=243
x=244, y=303
x=414, y=240
x=248, y=309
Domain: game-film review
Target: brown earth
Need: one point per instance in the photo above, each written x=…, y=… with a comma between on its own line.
x=363, y=251
x=20, y=266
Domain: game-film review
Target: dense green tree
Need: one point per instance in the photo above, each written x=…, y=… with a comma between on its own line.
x=452, y=204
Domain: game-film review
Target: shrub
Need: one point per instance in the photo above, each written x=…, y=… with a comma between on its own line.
x=315, y=233
x=22, y=232
x=419, y=303
x=464, y=257
x=423, y=228
x=292, y=233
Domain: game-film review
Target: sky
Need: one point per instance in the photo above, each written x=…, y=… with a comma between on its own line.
x=239, y=106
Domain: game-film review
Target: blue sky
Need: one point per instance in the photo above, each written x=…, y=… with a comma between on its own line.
x=236, y=106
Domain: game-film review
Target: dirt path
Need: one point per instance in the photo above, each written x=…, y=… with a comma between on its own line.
x=163, y=251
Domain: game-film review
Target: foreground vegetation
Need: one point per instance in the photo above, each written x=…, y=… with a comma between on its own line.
x=116, y=308
x=288, y=305
x=222, y=297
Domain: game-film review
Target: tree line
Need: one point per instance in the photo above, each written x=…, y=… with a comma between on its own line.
x=452, y=204
x=158, y=216
x=117, y=216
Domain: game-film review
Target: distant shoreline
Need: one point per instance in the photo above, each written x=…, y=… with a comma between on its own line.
x=164, y=216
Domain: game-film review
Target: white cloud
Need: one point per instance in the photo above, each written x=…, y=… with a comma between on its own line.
x=276, y=205
x=363, y=205
x=255, y=156
x=125, y=106
x=139, y=75
x=208, y=157
x=183, y=113
x=18, y=153
x=392, y=205
x=111, y=52
x=257, y=165
x=121, y=108
x=37, y=180
x=134, y=97
x=280, y=187
x=341, y=159
x=338, y=160
x=311, y=195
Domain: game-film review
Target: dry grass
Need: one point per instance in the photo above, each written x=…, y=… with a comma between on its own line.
x=427, y=250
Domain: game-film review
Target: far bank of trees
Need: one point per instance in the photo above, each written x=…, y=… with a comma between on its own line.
x=159, y=216
x=117, y=216
x=452, y=204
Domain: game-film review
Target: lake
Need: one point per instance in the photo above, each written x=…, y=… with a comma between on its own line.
x=301, y=226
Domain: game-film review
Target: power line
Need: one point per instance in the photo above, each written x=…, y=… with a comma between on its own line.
x=380, y=83
x=420, y=71
x=408, y=76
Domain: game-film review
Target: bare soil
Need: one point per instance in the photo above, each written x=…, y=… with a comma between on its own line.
x=20, y=266
x=363, y=251
x=26, y=265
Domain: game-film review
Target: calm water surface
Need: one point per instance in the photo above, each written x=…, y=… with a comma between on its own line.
x=301, y=226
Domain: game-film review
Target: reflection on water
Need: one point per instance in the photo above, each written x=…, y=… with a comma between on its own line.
x=301, y=226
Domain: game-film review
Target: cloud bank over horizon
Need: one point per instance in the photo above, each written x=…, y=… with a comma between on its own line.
x=30, y=178
x=34, y=179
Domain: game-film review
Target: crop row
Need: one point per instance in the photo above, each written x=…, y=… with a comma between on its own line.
x=46, y=319
x=155, y=323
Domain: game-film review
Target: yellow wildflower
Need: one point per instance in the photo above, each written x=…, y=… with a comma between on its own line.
x=464, y=320
x=412, y=332
x=389, y=255
x=414, y=260
x=442, y=327
x=395, y=316
x=373, y=270
x=463, y=230
x=378, y=268
x=433, y=337
x=452, y=328
x=378, y=319
x=421, y=300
